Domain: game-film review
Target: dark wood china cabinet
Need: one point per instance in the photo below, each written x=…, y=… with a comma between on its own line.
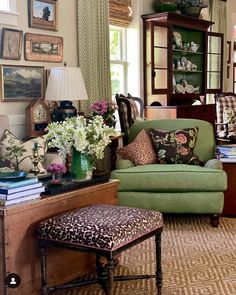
x=183, y=61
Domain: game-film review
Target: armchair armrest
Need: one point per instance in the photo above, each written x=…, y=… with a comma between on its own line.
x=214, y=164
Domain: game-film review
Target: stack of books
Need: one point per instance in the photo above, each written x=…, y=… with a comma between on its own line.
x=226, y=151
x=13, y=192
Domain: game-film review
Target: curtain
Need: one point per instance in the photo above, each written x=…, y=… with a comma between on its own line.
x=217, y=11
x=93, y=49
x=120, y=12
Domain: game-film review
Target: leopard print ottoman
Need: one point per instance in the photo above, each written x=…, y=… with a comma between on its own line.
x=104, y=230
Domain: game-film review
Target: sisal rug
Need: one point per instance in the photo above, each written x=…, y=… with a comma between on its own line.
x=197, y=259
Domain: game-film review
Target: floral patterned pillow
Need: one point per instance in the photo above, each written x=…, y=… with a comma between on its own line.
x=176, y=147
x=229, y=116
x=10, y=146
x=140, y=151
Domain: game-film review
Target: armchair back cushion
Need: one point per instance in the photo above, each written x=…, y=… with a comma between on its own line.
x=205, y=143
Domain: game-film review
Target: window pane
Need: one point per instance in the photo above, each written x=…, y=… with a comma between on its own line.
x=214, y=62
x=160, y=36
x=115, y=44
x=4, y=5
x=214, y=44
x=117, y=78
x=160, y=80
x=160, y=58
x=213, y=80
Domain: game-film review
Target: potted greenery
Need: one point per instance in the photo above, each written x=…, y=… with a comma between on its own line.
x=191, y=7
x=164, y=5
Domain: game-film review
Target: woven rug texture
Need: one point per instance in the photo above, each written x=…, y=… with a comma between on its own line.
x=197, y=259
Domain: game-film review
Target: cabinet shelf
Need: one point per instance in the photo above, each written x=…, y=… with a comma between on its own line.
x=186, y=71
x=184, y=52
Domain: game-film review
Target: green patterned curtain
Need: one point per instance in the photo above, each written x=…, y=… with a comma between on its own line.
x=93, y=49
x=217, y=11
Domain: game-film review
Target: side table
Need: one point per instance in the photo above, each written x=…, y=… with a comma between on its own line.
x=18, y=245
x=229, y=166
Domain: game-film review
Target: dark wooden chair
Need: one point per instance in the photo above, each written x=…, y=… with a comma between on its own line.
x=130, y=109
x=226, y=116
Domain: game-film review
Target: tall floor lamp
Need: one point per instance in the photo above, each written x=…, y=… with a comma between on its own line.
x=65, y=84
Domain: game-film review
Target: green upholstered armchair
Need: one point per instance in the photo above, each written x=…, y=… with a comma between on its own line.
x=175, y=188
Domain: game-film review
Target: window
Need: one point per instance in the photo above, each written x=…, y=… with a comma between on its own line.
x=118, y=60
x=4, y=5
x=8, y=12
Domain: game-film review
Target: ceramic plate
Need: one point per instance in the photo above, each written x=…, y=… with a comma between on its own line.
x=180, y=89
x=184, y=60
x=189, y=88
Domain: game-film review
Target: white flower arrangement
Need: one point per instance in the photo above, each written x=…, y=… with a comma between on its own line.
x=86, y=136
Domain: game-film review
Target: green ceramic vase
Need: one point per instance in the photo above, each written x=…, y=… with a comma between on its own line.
x=81, y=166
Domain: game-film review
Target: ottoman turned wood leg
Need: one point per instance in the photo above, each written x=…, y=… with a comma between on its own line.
x=158, y=263
x=110, y=267
x=106, y=231
x=101, y=273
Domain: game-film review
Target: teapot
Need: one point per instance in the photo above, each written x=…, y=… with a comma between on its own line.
x=193, y=46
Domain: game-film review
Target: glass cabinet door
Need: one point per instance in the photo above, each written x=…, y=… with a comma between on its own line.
x=159, y=60
x=214, y=62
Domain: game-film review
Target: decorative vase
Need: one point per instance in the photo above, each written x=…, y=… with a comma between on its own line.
x=56, y=178
x=81, y=166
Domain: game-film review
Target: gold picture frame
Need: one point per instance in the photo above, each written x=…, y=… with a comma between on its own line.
x=44, y=48
x=21, y=83
x=43, y=14
x=11, y=44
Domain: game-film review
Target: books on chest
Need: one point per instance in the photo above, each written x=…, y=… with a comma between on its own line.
x=14, y=192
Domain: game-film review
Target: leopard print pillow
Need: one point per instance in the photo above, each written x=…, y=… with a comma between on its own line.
x=140, y=151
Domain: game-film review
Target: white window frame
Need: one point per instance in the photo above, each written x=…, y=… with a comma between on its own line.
x=10, y=17
x=123, y=55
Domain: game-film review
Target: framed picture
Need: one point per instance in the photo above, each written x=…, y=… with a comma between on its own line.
x=21, y=83
x=43, y=48
x=43, y=14
x=11, y=44
x=228, y=52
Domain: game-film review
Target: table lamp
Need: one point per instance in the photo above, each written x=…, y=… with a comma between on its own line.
x=65, y=84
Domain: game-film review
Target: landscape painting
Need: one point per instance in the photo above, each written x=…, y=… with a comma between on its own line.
x=43, y=14
x=44, y=48
x=21, y=83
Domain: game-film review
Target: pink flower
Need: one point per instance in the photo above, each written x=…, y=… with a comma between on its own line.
x=181, y=138
x=183, y=151
x=99, y=107
x=56, y=168
x=105, y=109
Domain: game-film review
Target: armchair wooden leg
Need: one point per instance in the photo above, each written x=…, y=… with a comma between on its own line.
x=215, y=220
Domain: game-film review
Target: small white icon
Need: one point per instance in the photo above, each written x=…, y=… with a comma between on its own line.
x=13, y=281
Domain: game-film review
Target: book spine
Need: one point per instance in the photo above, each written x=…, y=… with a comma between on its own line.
x=15, y=184
x=9, y=191
x=19, y=200
x=22, y=194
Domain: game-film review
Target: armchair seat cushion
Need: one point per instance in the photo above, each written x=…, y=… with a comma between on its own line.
x=170, y=178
